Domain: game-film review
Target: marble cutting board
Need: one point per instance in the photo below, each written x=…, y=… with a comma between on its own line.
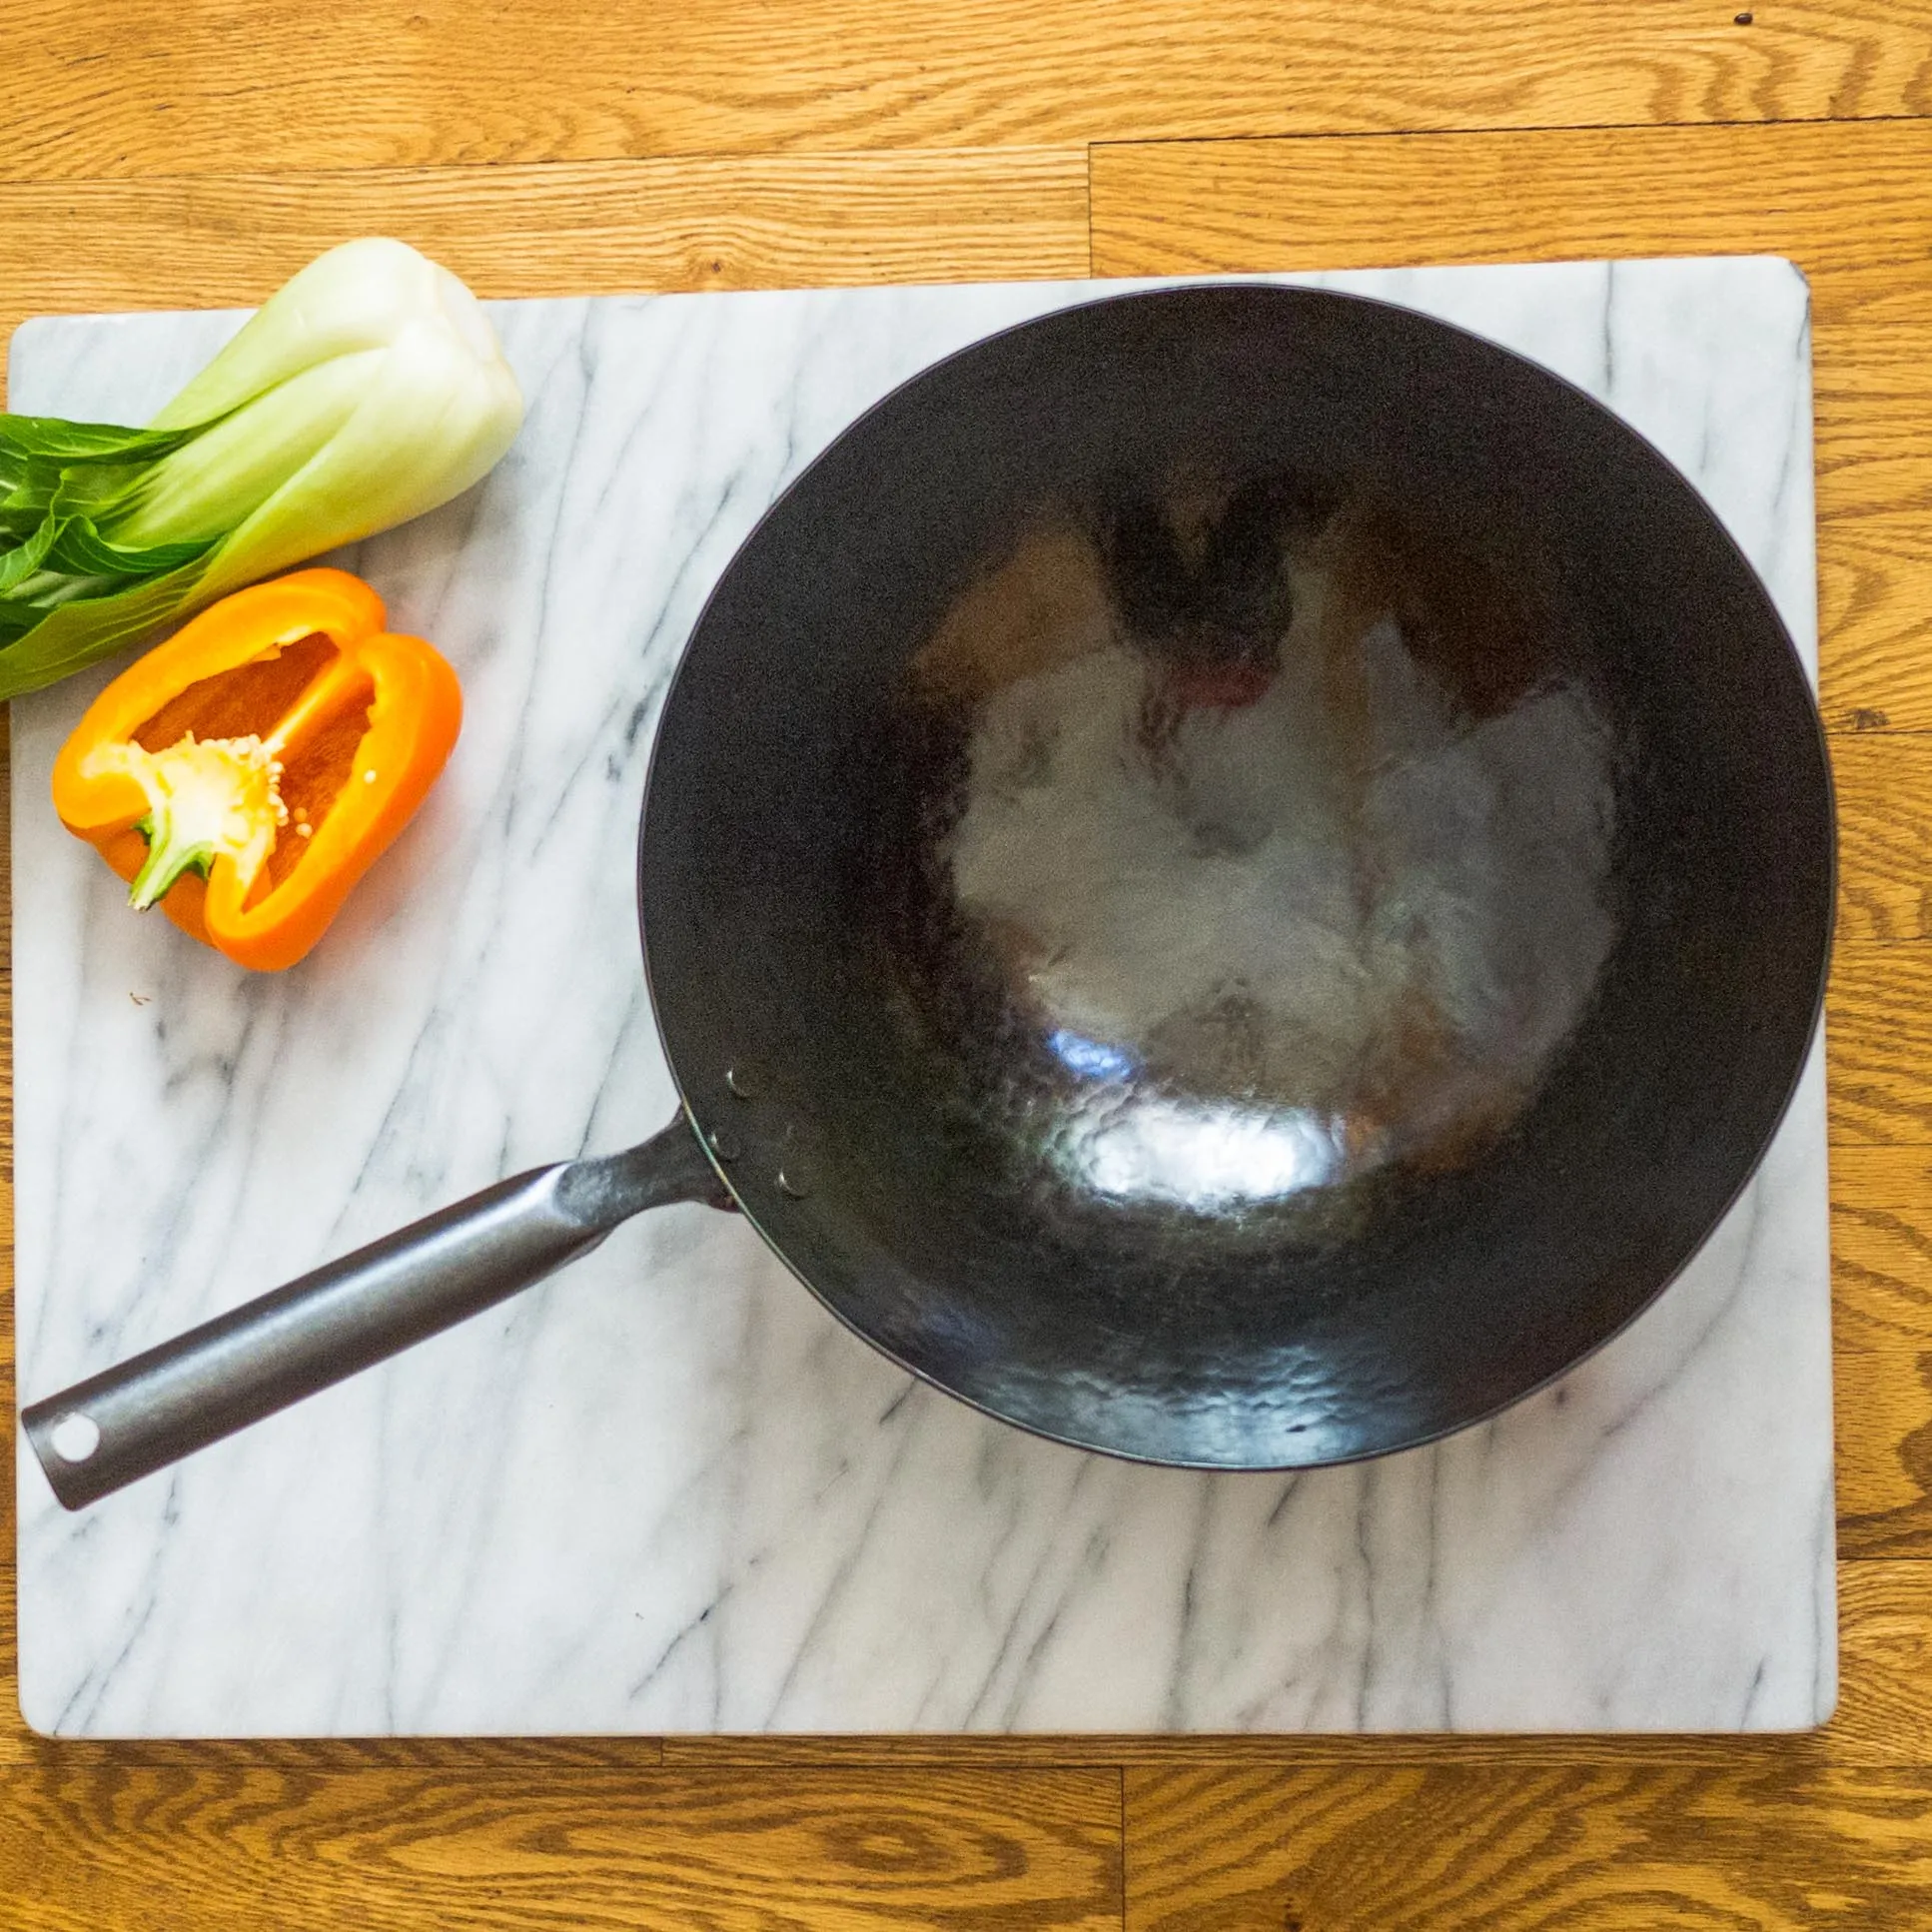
x=665, y=1491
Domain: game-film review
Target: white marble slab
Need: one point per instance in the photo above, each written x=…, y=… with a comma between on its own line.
x=666, y=1491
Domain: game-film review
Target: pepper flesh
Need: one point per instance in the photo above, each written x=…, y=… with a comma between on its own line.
x=248, y=771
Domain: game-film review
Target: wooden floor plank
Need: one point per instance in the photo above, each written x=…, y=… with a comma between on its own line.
x=1884, y=787
x=221, y=1843
x=1881, y=1248
x=757, y=221
x=1878, y=1031
x=1875, y=605
x=1884, y=1179
x=1838, y=195
x=1531, y=1849
x=236, y=85
x=1884, y=1470
x=1885, y=1664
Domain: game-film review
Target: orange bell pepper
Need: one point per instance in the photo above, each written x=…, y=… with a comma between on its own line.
x=246, y=773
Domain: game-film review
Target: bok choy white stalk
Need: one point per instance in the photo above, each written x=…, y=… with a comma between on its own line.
x=369, y=389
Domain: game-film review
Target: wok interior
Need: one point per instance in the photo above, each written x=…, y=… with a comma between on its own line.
x=1248, y=845
x=1268, y=862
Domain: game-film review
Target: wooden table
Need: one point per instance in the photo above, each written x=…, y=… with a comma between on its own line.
x=169, y=153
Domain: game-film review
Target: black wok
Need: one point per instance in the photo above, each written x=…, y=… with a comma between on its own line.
x=1234, y=876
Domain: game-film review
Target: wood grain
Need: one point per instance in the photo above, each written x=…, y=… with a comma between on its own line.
x=1838, y=195
x=158, y=88
x=1878, y=1034
x=1885, y=1664
x=1881, y=1242
x=1531, y=1848
x=1875, y=609
x=757, y=221
x=1882, y=1348
x=1884, y=784
x=250, y=1844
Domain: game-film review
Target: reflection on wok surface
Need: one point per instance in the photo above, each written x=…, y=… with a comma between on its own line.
x=1263, y=843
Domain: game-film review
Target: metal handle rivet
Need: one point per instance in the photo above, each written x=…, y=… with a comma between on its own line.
x=794, y=1183
x=743, y=1082
x=726, y=1145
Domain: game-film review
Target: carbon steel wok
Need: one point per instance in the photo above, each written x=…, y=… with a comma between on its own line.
x=1234, y=877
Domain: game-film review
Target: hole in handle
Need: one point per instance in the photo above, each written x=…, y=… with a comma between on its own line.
x=75, y=1438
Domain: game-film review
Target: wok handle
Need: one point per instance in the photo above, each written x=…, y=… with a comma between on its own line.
x=150, y=1412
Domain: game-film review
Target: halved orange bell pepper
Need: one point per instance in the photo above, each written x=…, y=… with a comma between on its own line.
x=246, y=773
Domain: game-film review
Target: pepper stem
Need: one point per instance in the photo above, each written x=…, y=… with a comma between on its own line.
x=169, y=857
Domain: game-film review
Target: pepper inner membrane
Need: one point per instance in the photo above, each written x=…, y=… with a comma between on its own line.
x=303, y=694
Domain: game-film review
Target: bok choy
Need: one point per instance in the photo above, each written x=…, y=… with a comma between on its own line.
x=369, y=389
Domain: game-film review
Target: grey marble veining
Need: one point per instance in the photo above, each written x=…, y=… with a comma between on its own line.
x=665, y=1491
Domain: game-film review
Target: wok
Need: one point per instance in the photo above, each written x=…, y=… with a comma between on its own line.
x=1234, y=876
